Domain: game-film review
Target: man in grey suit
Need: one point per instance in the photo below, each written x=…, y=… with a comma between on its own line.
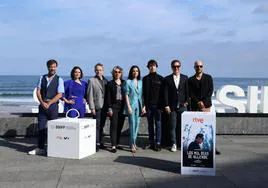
x=95, y=99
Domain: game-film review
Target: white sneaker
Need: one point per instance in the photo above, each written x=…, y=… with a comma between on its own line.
x=37, y=151
x=174, y=148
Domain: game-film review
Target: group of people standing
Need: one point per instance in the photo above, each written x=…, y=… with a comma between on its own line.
x=153, y=95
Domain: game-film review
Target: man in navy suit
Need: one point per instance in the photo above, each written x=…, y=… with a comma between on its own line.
x=176, y=101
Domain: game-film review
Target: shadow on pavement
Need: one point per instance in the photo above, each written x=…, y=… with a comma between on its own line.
x=19, y=144
x=152, y=163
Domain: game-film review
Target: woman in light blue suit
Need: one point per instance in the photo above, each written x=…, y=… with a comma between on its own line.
x=134, y=104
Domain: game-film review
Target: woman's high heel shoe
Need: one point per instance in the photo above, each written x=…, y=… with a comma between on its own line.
x=136, y=147
x=133, y=149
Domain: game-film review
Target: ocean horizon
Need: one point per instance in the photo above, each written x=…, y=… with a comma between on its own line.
x=16, y=91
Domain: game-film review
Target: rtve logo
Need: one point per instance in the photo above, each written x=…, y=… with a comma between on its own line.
x=198, y=120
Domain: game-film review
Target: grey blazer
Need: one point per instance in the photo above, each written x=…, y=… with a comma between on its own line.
x=95, y=93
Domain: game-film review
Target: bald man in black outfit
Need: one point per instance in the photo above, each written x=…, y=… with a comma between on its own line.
x=201, y=90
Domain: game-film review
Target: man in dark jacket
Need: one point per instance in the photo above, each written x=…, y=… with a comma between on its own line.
x=201, y=90
x=152, y=93
x=175, y=101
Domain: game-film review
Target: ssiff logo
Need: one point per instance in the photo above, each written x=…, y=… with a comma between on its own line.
x=60, y=127
x=198, y=120
x=86, y=126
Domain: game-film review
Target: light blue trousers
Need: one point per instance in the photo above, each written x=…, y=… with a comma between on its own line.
x=134, y=125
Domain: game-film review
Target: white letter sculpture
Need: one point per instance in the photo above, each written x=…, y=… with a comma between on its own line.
x=238, y=92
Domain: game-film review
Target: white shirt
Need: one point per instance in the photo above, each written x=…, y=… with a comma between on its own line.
x=176, y=80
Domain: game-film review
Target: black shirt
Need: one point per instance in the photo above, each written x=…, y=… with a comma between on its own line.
x=198, y=88
x=152, y=89
x=102, y=81
x=201, y=90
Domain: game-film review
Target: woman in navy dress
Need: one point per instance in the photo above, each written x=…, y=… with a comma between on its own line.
x=75, y=93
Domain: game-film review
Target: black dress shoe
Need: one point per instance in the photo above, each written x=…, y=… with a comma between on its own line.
x=119, y=147
x=218, y=152
x=157, y=147
x=102, y=146
x=113, y=150
x=150, y=146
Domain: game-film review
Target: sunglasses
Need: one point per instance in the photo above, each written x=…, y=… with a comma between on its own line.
x=199, y=66
x=176, y=66
x=117, y=72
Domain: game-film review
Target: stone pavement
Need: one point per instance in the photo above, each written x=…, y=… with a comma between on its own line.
x=243, y=163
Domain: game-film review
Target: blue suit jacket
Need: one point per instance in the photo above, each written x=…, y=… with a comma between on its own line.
x=134, y=94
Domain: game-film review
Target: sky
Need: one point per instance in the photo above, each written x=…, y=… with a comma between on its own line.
x=229, y=36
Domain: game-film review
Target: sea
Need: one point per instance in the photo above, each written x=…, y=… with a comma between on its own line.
x=16, y=92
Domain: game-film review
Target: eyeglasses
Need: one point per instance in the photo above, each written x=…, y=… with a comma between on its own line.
x=176, y=66
x=199, y=66
x=117, y=72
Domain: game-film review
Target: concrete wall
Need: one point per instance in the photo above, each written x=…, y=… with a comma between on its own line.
x=18, y=126
x=26, y=124
x=242, y=125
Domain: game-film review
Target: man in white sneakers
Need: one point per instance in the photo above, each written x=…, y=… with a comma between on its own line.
x=49, y=90
x=176, y=98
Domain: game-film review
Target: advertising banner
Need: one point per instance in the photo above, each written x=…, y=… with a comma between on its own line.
x=198, y=143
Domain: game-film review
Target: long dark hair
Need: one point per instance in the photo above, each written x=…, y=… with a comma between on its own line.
x=130, y=76
x=73, y=70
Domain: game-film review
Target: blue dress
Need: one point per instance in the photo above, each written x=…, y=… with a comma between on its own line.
x=76, y=92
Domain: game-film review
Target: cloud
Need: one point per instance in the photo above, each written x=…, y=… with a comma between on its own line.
x=2, y=5
x=131, y=32
x=253, y=1
x=261, y=9
x=196, y=32
x=211, y=19
x=222, y=59
x=230, y=33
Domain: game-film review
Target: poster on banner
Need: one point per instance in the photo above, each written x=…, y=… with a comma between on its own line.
x=198, y=143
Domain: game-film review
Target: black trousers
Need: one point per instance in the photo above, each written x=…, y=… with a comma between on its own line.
x=175, y=125
x=100, y=123
x=116, y=125
x=42, y=137
x=43, y=116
